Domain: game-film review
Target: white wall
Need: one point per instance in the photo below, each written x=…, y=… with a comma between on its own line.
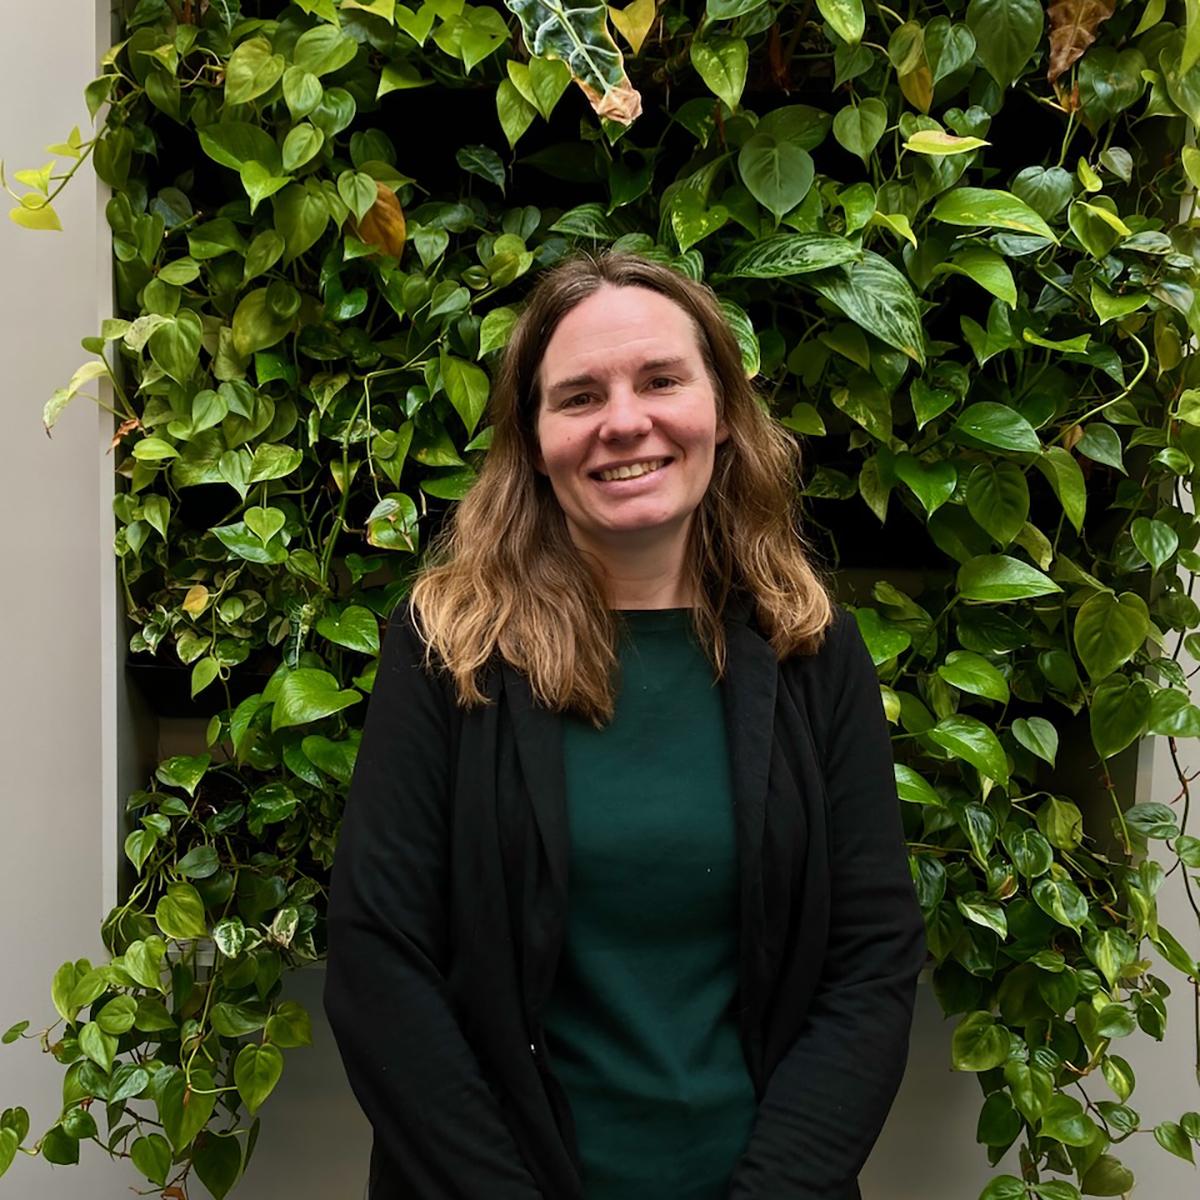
x=51, y=845
x=61, y=719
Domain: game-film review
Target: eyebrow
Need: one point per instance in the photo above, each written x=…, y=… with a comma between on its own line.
x=586, y=380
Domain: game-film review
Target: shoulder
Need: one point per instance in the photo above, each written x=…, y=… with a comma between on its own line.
x=407, y=654
x=403, y=635
x=408, y=647
x=826, y=657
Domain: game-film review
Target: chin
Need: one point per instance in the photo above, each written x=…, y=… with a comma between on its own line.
x=635, y=525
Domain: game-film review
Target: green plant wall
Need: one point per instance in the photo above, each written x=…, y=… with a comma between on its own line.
x=958, y=246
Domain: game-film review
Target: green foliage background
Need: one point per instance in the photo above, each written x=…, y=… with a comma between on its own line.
x=959, y=250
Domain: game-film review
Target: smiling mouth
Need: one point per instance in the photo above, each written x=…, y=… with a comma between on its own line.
x=632, y=471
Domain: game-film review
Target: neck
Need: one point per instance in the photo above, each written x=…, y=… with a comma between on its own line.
x=640, y=574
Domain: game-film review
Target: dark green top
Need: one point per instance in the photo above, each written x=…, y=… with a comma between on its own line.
x=641, y=1027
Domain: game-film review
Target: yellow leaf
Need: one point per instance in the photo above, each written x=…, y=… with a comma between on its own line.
x=934, y=141
x=42, y=217
x=518, y=72
x=917, y=85
x=1108, y=218
x=85, y=374
x=1150, y=17
x=39, y=180
x=897, y=223
x=1088, y=177
x=69, y=148
x=196, y=599
x=633, y=21
x=380, y=8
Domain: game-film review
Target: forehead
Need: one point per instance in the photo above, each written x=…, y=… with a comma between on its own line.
x=618, y=328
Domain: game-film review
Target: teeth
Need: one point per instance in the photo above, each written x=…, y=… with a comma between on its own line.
x=632, y=471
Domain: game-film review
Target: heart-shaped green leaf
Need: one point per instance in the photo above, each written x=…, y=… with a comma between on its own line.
x=252, y=71
x=1119, y=713
x=1062, y=900
x=175, y=346
x=913, y=788
x=973, y=673
x=858, y=127
x=1030, y=852
x=1173, y=715
x=932, y=483
x=152, y=1156
x=999, y=426
x=184, y=1110
x=180, y=913
x=971, y=740
x=308, y=694
x=777, y=172
x=467, y=386
x=218, y=1162
x=979, y=1044
x=1007, y=33
x=975, y=206
x=1038, y=736
x=998, y=498
x=1109, y=630
x=995, y=578
x=355, y=627
x=947, y=47
x=256, y=1071
x=692, y=220
x=1046, y=190
x=845, y=17
x=1066, y=478
x=884, y=640
x=1155, y=539
x=722, y=63
x=264, y=523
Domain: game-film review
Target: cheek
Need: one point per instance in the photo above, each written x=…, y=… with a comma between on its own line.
x=557, y=451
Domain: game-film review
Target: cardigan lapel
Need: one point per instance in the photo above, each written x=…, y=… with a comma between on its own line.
x=751, y=677
x=538, y=734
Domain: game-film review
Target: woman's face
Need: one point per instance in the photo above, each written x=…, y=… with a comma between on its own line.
x=627, y=423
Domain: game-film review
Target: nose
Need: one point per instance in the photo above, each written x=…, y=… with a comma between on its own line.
x=624, y=416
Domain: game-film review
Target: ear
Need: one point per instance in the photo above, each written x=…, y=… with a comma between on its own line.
x=539, y=463
x=722, y=432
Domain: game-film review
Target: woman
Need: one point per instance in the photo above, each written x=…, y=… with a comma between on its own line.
x=621, y=907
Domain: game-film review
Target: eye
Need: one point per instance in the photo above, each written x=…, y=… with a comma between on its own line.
x=576, y=401
x=662, y=381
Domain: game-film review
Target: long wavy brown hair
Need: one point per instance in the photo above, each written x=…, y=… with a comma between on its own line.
x=505, y=577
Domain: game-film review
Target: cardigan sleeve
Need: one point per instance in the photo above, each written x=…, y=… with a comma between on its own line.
x=435, y=1119
x=827, y=1099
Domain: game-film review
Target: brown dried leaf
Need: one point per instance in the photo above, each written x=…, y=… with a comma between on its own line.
x=1073, y=25
x=126, y=426
x=622, y=103
x=383, y=223
x=1069, y=102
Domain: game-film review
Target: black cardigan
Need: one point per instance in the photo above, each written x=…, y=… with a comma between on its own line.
x=448, y=905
